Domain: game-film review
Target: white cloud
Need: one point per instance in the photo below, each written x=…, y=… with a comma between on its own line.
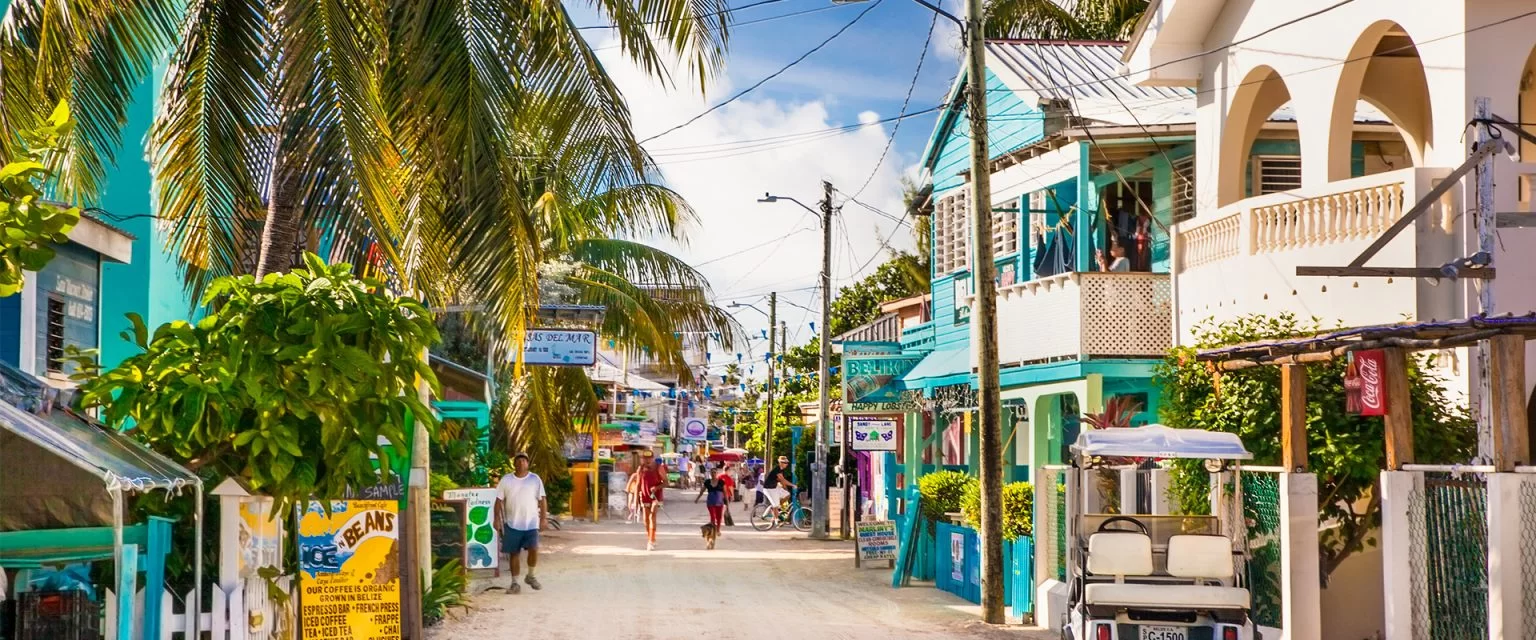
x=728, y=159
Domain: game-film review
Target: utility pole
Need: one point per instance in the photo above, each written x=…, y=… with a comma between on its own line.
x=823, y=375
x=984, y=320
x=1487, y=225
x=773, y=319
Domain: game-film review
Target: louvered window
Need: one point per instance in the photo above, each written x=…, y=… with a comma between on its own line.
x=1005, y=229
x=55, y=333
x=1273, y=174
x=951, y=232
x=1183, y=188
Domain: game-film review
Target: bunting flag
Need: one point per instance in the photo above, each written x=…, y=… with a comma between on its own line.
x=813, y=325
x=738, y=357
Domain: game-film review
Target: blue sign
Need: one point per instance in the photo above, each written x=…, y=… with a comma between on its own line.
x=872, y=372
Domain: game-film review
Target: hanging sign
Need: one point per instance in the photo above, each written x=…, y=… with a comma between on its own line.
x=873, y=433
x=479, y=530
x=560, y=347
x=1365, y=383
x=872, y=373
x=349, y=571
x=695, y=429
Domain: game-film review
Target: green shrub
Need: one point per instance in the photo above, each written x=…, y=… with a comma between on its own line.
x=450, y=588
x=1018, y=502
x=557, y=491
x=439, y=482
x=942, y=493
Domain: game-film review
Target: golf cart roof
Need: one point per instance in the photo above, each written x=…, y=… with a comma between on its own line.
x=1158, y=441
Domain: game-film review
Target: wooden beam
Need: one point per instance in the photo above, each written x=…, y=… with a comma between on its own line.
x=1293, y=417
x=1425, y=202
x=1486, y=273
x=1399, y=418
x=1514, y=220
x=1506, y=370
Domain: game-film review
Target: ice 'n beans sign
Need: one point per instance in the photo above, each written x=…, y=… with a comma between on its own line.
x=872, y=373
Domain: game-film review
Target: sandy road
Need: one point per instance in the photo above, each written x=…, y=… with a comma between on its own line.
x=599, y=581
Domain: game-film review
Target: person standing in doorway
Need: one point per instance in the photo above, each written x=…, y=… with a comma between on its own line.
x=653, y=485
x=521, y=512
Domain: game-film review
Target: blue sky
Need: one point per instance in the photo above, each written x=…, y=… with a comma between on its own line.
x=747, y=248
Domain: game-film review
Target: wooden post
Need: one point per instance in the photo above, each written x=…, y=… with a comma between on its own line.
x=1511, y=441
x=1399, y=418
x=1293, y=417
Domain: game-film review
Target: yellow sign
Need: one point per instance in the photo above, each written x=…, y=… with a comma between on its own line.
x=349, y=571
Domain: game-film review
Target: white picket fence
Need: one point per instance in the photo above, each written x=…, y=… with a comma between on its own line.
x=244, y=613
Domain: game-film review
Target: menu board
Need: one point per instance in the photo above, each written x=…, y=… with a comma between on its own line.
x=349, y=570
x=479, y=530
x=449, y=520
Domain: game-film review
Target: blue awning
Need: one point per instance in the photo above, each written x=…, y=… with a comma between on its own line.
x=950, y=362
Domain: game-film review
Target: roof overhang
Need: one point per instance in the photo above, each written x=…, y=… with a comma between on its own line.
x=1165, y=50
x=106, y=240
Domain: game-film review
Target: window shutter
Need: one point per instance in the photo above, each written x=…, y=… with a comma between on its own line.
x=1273, y=174
x=1183, y=188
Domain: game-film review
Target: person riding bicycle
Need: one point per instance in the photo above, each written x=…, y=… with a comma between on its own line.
x=775, y=483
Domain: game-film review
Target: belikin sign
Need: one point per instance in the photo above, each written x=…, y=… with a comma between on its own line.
x=873, y=371
x=1365, y=383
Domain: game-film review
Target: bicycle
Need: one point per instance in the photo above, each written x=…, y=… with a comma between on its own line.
x=768, y=516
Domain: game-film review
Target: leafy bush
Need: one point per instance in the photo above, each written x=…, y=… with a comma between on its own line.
x=450, y=588
x=1344, y=451
x=440, y=482
x=557, y=491
x=1018, y=503
x=31, y=225
x=943, y=492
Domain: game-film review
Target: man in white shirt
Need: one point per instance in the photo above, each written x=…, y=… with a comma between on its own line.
x=520, y=514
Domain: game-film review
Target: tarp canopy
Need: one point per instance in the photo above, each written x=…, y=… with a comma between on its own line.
x=941, y=363
x=1158, y=441
x=56, y=467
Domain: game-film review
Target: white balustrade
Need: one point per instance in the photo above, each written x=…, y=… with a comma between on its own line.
x=1075, y=315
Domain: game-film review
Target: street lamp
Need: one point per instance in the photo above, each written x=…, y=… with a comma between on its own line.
x=824, y=419
x=773, y=309
x=984, y=318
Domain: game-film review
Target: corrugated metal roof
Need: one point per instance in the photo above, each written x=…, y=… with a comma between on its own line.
x=1086, y=75
x=885, y=328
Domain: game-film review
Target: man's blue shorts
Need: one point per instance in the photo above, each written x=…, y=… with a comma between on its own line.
x=515, y=540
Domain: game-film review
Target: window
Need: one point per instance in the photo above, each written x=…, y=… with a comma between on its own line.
x=55, y=328
x=1183, y=188
x=951, y=233
x=1273, y=174
x=1005, y=229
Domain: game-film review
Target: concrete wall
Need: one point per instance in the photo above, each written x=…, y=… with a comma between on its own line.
x=1353, y=606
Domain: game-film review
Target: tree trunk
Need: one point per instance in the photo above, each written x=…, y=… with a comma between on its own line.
x=280, y=230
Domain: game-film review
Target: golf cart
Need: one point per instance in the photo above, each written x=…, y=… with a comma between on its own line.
x=1152, y=577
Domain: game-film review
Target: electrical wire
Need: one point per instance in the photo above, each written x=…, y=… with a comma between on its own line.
x=922, y=56
x=743, y=23
x=722, y=12
x=751, y=248
x=770, y=76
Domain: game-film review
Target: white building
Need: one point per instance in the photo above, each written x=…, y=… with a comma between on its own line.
x=1423, y=64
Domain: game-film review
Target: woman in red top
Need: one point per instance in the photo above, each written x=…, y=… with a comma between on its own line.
x=653, y=482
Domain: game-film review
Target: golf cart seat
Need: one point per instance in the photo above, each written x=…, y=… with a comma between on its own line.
x=1196, y=557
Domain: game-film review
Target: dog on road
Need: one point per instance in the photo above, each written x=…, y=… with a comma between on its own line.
x=710, y=532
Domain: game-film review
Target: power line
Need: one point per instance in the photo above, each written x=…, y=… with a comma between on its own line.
x=755, y=246
x=743, y=23
x=927, y=42
x=722, y=12
x=771, y=76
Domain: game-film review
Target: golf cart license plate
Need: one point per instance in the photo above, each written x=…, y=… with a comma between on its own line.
x=1163, y=633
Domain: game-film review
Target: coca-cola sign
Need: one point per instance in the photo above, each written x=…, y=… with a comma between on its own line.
x=1365, y=383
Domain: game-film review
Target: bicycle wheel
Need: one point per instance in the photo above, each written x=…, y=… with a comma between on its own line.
x=801, y=519
x=763, y=518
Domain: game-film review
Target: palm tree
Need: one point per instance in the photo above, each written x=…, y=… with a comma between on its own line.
x=1064, y=19
x=396, y=130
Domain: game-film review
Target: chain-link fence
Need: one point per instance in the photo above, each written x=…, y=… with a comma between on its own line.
x=1051, y=523
x=1450, y=557
x=1261, y=521
x=1528, y=554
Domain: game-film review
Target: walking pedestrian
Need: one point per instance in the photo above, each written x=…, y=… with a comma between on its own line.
x=652, y=488
x=730, y=491
x=521, y=512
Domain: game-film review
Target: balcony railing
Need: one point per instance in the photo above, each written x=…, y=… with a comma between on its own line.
x=1085, y=315
x=919, y=336
x=1243, y=259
